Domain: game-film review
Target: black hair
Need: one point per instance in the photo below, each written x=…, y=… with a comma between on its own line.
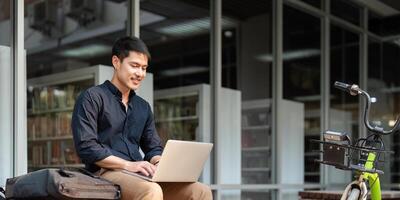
x=124, y=45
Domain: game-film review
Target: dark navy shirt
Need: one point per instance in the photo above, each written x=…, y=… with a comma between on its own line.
x=102, y=126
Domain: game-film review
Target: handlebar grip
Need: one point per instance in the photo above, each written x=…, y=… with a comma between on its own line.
x=343, y=86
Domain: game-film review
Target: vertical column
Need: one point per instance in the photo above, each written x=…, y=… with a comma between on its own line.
x=215, y=76
x=18, y=85
x=277, y=83
x=325, y=81
x=133, y=26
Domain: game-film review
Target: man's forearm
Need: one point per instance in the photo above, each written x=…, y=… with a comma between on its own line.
x=155, y=159
x=112, y=162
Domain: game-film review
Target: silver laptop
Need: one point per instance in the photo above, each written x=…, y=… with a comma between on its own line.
x=181, y=161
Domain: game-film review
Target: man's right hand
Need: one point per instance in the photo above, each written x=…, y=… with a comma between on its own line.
x=113, y=162
x=144, y=167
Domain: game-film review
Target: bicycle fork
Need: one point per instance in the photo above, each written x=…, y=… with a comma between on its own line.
x=373, y=181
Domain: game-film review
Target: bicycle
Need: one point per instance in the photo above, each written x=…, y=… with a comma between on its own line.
x=362, y=156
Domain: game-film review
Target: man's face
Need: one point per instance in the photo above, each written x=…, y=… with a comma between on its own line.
x=132, y=70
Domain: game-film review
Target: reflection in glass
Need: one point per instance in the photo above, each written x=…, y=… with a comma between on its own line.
x=70, y=35
x=180, y=46
x=344, y=68
x=346, y=10
x=344, y=108
x=247, y=66
x=179, y=41
x=301, y=78
x=177, y=117
x=82, y=36
x=384, y=25
x=383, y=84
x=49, y=124
x=374, y=23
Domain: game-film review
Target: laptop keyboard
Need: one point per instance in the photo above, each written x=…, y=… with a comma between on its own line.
x=138, y=174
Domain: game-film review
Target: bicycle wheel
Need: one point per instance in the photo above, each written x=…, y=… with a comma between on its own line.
x=354, y=194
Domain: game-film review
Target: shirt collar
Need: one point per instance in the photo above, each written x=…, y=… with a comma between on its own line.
x=114, y=90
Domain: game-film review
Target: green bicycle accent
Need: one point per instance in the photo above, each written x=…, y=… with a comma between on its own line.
x=373, y=178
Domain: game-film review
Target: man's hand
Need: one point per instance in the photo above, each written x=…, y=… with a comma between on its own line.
x=113, y=162
x=143, y=167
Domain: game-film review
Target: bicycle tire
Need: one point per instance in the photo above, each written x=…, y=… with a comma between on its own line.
x=354, y=194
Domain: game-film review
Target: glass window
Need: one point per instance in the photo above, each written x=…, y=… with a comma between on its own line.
x=344, y=108
x=180, y=46
x=58, y=44
x=346, y=10
x=5, y=24
x=345, y=49
x=81, y=37
x=301, y=80
x=383, y=84
x=247, y=67
x=375, y=23
x=179, y=42
x=383, y=25
x=315, y=3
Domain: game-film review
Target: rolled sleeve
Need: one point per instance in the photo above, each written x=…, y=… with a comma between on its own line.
x=150, y=142
x=84, y=129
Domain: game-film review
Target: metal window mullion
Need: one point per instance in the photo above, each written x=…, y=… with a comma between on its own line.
x=277, y=83
x=325, y=82
x=215, y=77
x=363, y=70
x=133, y=24
x=18, y=84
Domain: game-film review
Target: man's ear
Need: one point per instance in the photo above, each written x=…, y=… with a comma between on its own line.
x=115, y=61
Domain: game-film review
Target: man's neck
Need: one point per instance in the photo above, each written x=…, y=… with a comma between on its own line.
x=124, y=90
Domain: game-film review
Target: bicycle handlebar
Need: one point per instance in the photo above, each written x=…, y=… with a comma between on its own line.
x=354, y=90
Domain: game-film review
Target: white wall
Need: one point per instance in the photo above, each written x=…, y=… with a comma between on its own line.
x=6, y=160
x=229, y=136
x=290, y=147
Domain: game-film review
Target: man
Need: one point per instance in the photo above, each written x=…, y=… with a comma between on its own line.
x=110, y=122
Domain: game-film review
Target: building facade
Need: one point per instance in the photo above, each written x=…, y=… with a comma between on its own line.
x=253, y=77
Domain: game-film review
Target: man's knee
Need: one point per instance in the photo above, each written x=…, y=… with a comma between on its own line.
x=201, y=191
x=148, y=191
x=152, y=191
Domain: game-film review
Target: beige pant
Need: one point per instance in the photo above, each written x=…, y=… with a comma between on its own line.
x=134, y=188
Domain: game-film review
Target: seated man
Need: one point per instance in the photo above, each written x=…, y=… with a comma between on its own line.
x=110, y=122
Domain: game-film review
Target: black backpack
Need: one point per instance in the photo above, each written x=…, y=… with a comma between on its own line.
x=52, y=184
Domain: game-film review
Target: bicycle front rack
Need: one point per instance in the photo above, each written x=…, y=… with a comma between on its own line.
x=338, y=151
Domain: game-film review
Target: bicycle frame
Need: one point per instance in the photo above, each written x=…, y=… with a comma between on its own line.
x=373, y=178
